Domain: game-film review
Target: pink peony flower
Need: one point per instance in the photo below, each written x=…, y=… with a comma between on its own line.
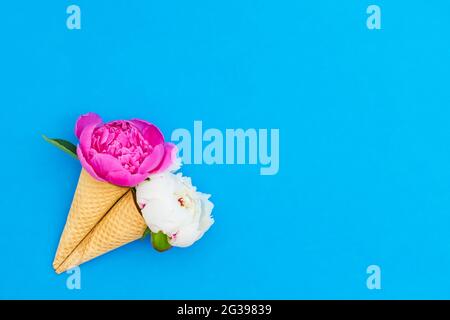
x=122, y=152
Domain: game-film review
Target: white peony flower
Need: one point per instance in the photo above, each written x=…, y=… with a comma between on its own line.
x=169, y=203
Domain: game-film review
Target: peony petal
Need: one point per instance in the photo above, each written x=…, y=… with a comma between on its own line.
x=105, y=164
x=88, y=119
x=86, y=139
x=150, y=132
x=170, y=156
x=86, y=165
x=157, y=187
x=186, y=236
x=125, y=178
x=206, y=221
x=153, y=160
x=160, y=214
x=111, y=170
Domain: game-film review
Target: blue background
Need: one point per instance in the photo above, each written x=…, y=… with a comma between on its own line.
x=364, y=136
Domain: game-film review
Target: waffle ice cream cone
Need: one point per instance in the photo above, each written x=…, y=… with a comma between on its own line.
x=102, y=217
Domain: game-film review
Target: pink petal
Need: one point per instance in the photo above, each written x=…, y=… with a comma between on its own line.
x=86, y=165
x=88, y=119
x=85, y=138
x=125, y=179
x=153, y=160
x=170, y=155
x=111, y=170
x=104, y=163
x=150, y=132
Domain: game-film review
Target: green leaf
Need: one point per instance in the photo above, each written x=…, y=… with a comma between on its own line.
x=160, y=242
x=64, y=145
x=146, y=233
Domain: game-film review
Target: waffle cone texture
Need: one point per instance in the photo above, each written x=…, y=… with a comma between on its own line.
x=102, y=218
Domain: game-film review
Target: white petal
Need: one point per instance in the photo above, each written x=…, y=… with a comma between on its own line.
x=159, y=186
x=175, y=166
x=186, y=236
x=165, y=215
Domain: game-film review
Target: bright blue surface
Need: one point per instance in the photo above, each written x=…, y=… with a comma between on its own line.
x=365, y=143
